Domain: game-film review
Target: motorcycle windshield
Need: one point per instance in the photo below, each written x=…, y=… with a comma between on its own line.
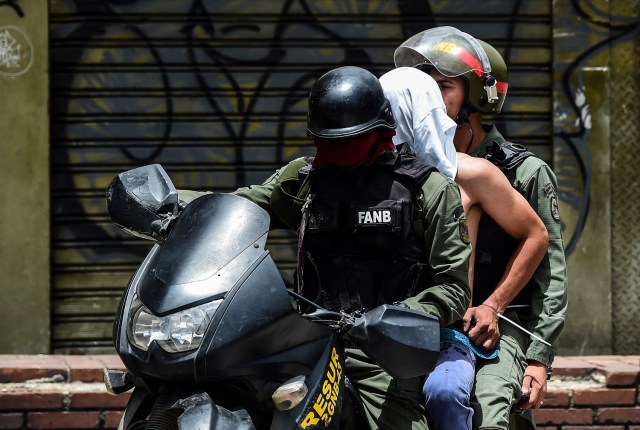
x=216, y=240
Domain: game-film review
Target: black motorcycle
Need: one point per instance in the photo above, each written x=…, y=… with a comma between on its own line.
x=212, y=338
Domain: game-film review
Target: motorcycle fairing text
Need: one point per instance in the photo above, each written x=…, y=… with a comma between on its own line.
x=325, y=404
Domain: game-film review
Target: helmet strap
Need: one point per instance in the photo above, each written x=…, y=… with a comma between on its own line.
x=468, y=124
x=463, y=119
x=463, y=115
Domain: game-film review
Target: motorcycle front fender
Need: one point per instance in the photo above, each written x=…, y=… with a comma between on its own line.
x=137, y=408
x=200, y=413
x=194, y=411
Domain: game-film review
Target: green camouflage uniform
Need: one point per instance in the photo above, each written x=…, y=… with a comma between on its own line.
x=390, y=403
x=498, y=381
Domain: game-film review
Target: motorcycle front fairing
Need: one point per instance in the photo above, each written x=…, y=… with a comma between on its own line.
x=216, y=251
x=255, y=339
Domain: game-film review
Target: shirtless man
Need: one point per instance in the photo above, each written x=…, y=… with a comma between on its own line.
x=423, y=125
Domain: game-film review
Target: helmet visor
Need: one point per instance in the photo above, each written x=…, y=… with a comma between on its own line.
x=447, y=49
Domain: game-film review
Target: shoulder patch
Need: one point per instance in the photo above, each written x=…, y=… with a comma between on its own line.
x=463, y=227
x=551, y=193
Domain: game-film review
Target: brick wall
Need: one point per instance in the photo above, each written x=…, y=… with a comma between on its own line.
x=58, y=392
x=66, y=392
x=592, y=392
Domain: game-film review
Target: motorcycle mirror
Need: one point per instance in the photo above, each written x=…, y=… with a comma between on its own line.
x=403, y=341
x=143, y=201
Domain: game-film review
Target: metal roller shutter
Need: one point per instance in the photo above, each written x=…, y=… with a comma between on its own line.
x=216, y=93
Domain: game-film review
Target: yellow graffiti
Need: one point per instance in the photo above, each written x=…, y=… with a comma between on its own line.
x=325, y=405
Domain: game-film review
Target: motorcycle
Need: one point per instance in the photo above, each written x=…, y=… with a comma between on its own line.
x=212, y=338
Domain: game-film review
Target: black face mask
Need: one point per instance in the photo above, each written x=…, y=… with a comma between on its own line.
x=352, y=153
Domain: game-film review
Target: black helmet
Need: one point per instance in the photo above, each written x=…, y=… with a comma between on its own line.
x=455, y=53
x=347, y=102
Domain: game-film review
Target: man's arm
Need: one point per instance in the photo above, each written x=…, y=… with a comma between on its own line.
x=447, y=251
x=488, y=187
x=258, y=194
x=283, y=215
x=549, y=301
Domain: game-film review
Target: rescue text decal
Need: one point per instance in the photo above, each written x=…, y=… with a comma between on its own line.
x=325, y=404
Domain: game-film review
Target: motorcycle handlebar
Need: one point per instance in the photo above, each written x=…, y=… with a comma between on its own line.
x=339, y=321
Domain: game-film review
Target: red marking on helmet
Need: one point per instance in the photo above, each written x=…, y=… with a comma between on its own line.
x=478, y=69
x=471, y=61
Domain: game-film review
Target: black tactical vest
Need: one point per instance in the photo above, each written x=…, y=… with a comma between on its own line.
x=359, y=247
x=494, y=247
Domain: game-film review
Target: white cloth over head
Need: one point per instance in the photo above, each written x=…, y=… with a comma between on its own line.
x=421, y=117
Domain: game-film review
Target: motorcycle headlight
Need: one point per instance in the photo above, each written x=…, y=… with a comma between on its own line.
x=178, y=332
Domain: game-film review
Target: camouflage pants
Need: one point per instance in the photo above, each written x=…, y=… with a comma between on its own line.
x=498, y=383
x=390, y=404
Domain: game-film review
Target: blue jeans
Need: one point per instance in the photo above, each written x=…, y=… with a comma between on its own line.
x=448, y=388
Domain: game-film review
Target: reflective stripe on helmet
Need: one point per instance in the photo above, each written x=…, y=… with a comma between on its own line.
x=471, y=61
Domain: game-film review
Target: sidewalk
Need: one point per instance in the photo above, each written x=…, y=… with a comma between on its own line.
x=66, y=392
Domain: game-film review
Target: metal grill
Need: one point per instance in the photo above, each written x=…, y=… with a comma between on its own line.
x=625, y=153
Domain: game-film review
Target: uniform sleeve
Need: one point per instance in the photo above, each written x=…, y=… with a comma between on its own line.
x=258, y=194
x=261, y=195
x=447, y=249
x=187, y=196
x=549, y=301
